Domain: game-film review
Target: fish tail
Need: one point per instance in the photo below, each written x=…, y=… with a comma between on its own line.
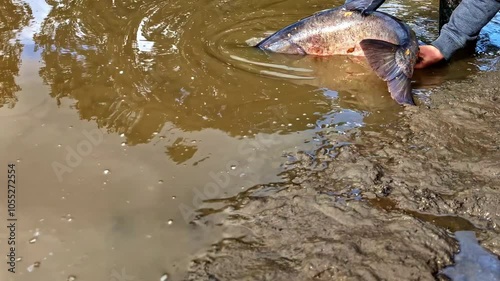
x=390, y=65
x=400, y=89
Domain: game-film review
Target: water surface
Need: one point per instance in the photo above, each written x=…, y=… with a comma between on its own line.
x=123, y=116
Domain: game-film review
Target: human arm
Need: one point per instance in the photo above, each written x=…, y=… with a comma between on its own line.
x=464, y=26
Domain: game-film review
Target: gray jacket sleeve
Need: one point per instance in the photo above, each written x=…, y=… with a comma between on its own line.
x=466, y=22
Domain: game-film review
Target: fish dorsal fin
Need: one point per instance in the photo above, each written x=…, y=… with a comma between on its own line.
x=384, y=59
x=363, y=6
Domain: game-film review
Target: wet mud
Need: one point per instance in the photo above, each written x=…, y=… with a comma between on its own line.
x=373, y=205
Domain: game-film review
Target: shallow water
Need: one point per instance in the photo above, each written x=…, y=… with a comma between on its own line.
x=122, y=116
x=473, y=262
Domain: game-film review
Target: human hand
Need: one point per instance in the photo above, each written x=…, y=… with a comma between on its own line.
x=428, y=56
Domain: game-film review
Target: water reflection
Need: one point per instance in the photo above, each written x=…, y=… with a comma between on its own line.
x=134, y=66
x=107, y=62
x=180, y=76
x=421, y=16
x=13, y=17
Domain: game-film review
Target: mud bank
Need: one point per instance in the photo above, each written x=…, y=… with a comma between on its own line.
x=375, y=204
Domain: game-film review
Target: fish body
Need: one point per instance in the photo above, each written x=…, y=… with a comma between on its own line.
x=389, y=45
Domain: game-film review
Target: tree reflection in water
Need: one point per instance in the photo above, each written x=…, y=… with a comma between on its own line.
x=133, y=66
x=13, y=17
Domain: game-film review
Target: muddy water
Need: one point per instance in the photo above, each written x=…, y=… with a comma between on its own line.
x=123, y=116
